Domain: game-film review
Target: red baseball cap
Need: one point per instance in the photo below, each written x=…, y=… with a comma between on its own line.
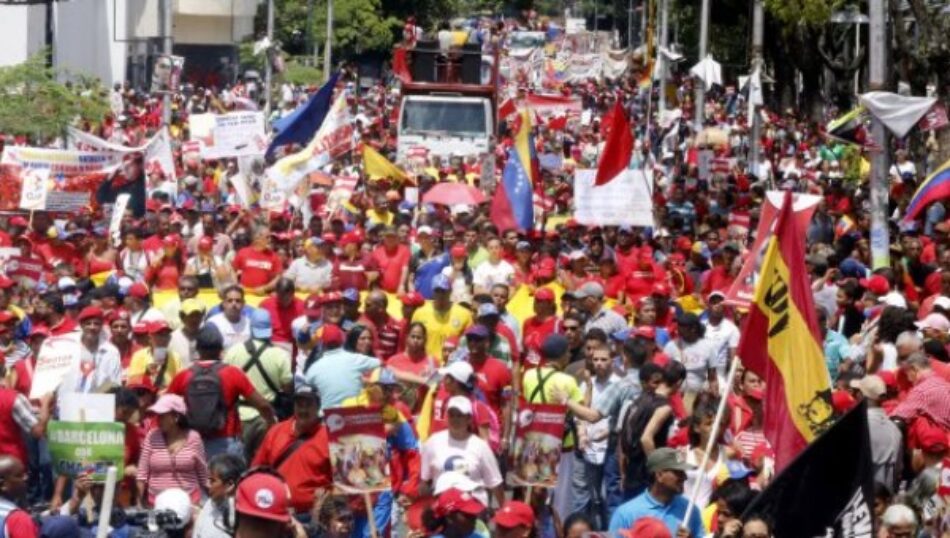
x=877, y=285
x=412, y=299
x=142, y=382
x=331, y=335
x=264, y=496
x=158, y=326
x=662, y=289
x=90, y=312
x=455, y=500
x=647, y=527
x=645, y=331
x=138, y=290
x=458, y=251
x=205, y=243
x=514, y=514
x=544, y=294
x=7, y=316
x=142, y=327
x=19, y=221
x=312, y=306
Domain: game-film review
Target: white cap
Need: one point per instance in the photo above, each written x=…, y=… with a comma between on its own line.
x=577, y=255
x=460, y=371
x=943, y=302
x=461, y=404
x=66, y=282
x=177, y=501
x=455, y=480
x=424, y=230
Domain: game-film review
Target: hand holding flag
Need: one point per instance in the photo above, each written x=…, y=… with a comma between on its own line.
x=616, y=156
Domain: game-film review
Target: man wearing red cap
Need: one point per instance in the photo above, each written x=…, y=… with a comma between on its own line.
x=544, y=321
x=353, y=268
x=99, y=364
x=514, y=519
x=157, y=362
x=262, y=508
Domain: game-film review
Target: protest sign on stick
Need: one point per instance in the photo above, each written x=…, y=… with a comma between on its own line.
x=538, y=441
x=57, y=355
x=358, y=449
x=87, y=448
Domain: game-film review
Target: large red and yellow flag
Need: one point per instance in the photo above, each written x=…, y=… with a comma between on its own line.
x=782, y=344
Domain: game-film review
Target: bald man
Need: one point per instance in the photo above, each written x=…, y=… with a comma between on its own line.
x=14, y=521
x=385, y=328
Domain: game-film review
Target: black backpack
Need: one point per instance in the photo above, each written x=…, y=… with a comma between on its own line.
x=632, y=425
x=207, y=412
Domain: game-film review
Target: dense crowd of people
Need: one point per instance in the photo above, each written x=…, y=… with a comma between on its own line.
x=378, y=305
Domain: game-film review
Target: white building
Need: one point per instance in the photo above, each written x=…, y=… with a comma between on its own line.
x=117, y=40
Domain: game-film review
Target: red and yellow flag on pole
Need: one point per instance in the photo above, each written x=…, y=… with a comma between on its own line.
x=781, y=343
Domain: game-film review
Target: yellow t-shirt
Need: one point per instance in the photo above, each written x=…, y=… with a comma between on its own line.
x=440, y=327
x=142, y=363
x=552, y=380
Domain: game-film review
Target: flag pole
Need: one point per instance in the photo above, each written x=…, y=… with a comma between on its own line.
x=713, y=436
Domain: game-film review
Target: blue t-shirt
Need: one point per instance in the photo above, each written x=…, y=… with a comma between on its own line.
x=338, y=374
x=644, y=505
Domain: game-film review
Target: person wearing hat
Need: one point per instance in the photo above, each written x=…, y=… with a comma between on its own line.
x=99, y=366
x=454, y=515
x=262, y=507
x=664, y=498
x=426, y=262
x=234, y=384
x=458, y=379
x=698, y=354
x=210, y=268
x=502, y=343
x=354, y=268
x=269, y=368
x=493, y=374
x=442, y=318
x=590, y=297
x=514, y=519
x=172, y=454
x=312, y=272
x=191, y=313
x=545, y=320
x=547, y=383
x=138, y=302
x=459, y=448
x=338, y=373
x=886, y=438
x=299, y=449
x=13, y=349
x=156, y=361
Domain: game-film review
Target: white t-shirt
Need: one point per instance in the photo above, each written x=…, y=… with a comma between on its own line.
x=474, y=457
x=307, y=274
x=488, y=274
x=233, y=333
x=723, y=337
x=697, y=358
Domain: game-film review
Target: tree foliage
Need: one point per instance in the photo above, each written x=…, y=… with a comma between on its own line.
x=34, y=103
x=803, y=12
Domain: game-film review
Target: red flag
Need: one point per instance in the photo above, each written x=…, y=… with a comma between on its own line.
x=782, y=344
x=401, y=66
x=507, y=109
x=616, y=156
x=557, y=123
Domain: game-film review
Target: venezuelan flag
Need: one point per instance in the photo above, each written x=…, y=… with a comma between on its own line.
x=782, y=344
x=512, y=205
x=935, y=187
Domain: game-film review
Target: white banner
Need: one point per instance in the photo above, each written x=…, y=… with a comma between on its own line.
x=34, y=189
x=334, y=138
x=234, y=134
x=118, y=211
x=157, y=150
x=898, y=112
x=57, y=356
x=62, y=161
x=626, y=200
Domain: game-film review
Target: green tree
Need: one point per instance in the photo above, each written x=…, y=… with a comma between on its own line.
x=34, y=103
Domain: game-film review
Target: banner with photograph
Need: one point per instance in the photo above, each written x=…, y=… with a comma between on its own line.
x=79, y=448
x=166, y=74
x=235, y=134
x=539, y=436
x=358, y=449
x=626, y=200
x=57, y=355
x=27, y=272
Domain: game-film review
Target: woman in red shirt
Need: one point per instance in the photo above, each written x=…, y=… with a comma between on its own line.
x=414, y=361
x=164, y=271
x=102, y=255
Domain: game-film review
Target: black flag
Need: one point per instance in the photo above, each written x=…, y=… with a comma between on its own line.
x=828, y=490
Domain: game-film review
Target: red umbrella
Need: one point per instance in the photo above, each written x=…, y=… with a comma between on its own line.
x=452, y=194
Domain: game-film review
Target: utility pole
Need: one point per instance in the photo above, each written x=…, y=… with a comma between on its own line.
x=700, y=104
x=758, y=24
x=269, y=68
x=167, y=50
x=311, y=43
x=328, y=49
x=877, y=75
x=629, y=25
x=664, y=44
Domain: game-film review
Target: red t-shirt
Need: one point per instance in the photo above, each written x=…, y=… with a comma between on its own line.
x=19, y=524
x=493, y=377
x=352, y=273
x=281, y=317
x=391, y=266
x=627, y=261
x=306, y=470
x=718, y=279
x=53, y=255
x=257, y=268
x=543, y=329
x=234, y=385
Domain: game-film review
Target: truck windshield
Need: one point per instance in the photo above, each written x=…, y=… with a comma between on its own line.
x=444, y=117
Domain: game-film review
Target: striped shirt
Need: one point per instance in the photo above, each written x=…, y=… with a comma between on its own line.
x=160, y=469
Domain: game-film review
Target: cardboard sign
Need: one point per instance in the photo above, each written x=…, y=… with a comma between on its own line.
x=56, y=357
x=83, y=407
x=66, y=202
x=25, y=271
x=234, y=134
x=538, y=442
x=358, y=449
x=626, y=200
x=79, y=448
x=33, y=191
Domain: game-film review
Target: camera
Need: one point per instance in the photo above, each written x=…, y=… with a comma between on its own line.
x=154, y=523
